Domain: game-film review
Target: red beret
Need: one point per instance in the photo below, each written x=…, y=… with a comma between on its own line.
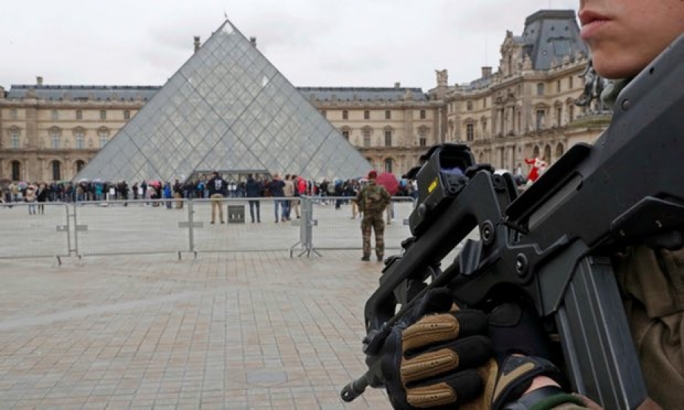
x=373, y=174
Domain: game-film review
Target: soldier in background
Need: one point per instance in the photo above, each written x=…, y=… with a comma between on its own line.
x=372, y=201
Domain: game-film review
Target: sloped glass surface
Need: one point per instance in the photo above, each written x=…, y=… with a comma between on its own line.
x=227, y=109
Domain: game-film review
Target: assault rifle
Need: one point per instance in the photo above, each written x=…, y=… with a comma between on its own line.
x=552, y=242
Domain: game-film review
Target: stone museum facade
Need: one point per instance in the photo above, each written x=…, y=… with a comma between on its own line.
x=525, y=108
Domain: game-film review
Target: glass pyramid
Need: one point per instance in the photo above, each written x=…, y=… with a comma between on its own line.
x=227, y=109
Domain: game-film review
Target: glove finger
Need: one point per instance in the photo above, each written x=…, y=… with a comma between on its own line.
x=443, y=327
x=455, y=389
x=461, y=354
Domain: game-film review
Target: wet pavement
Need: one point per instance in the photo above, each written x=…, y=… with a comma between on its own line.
x=226, y=331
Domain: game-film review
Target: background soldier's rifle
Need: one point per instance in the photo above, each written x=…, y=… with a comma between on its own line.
x=553, y=242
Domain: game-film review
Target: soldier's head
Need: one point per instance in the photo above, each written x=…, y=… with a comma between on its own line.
x=372, y=175
x=624, y=36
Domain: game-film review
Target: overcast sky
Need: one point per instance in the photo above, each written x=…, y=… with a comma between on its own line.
x=355, y=43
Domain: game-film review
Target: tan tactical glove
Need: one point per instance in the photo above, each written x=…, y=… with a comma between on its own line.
x=443, y=357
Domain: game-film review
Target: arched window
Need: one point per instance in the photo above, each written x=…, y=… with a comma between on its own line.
x=388, y=164
x=547, y=154
x=16, y=171
x=56, y=170
x=559, y=150
x=540, y=118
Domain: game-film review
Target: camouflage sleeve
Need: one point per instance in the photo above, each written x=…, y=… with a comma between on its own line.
x=359, y=200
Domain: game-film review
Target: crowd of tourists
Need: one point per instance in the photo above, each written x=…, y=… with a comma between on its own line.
x=68, y=192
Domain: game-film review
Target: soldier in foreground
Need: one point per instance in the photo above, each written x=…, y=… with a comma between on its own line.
x=446, y=358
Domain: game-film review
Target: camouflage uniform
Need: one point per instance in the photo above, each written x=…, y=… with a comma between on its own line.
x=372, y=201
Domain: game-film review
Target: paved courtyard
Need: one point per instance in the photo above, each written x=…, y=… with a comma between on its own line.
x=227, y=330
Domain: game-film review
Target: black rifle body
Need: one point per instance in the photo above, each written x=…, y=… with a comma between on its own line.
x=553, y=241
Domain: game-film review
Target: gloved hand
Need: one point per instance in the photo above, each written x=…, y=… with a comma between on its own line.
x=523, y=352
x=442, y=357
x=439, y=357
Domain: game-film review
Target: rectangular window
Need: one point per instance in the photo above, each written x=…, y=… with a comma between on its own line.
x=56, y=170
x=388, y=138
x=55, y=140
x=14, y=114
x=366, y=138
x=16, y=170
x=470, y=132
x=469, y=106
x=54, y=114
x=14, y=139
x=104, y=137
x=422, y=114
x=388, y=115
x=559, y=116
x=558, y=86
x=571, y=113
x=103, y=114
x=345, y=115
x=570, y=82
x=366, y=115
x=127, y=114
x=540, y=89
x=79, y=114
x=422, y=141
x=484, y=102
x=80, y=140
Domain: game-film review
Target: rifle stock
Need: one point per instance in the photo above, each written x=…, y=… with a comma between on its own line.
x=551, y=242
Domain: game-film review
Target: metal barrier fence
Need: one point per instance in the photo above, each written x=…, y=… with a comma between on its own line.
x=336, y=224
x=129, y=227
x=239, y=233
x=184, y=226
x=34, y=230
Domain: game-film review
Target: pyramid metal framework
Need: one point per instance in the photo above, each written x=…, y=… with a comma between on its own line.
x=227, y=109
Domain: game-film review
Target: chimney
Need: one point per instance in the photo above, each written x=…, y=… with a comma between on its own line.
x=252, y=41
x=197, y=43
x=39, y=80
x=397, y=85
x=486, y=72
